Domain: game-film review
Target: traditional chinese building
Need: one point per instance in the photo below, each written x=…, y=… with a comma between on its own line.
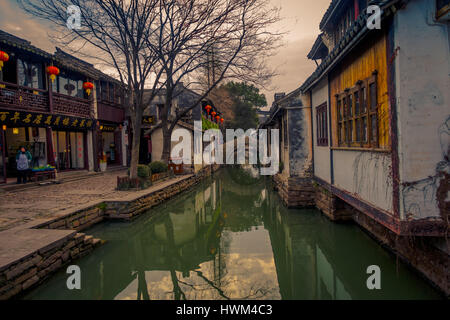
x=44, y=106
x=292, y=120
x=151, y=138
x=380, y=118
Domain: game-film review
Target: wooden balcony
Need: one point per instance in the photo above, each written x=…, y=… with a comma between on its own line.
x=13, y=96
x=69, y=105
x=23, y=98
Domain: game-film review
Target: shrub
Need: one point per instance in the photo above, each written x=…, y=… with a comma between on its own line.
x=143, y=171
x=157, y=167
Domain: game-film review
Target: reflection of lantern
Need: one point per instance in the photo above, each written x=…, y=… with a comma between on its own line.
x=88, y=86
x=4, y=57
x=53, y=72
x=15, y=130
x=208, y=108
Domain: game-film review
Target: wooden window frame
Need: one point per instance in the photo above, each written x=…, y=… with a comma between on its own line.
x=367, y=112
x=322, y=125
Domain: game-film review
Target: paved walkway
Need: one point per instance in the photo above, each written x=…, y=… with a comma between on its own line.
x=18, y=207
x=45, y=202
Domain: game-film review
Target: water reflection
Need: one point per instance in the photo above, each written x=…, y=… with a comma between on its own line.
x=231, y=238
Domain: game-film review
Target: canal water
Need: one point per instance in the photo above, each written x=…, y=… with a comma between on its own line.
x=231, y=238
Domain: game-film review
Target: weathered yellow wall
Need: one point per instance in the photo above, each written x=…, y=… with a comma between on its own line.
x=359, y=65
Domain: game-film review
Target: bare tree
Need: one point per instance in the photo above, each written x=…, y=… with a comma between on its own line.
x=173, y=40
x=114, y=33
x=202, y=42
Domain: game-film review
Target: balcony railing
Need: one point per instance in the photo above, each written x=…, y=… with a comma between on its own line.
x=71, y=105
x=30, y=99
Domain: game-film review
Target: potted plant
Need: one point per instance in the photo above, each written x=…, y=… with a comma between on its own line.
x=103, y=162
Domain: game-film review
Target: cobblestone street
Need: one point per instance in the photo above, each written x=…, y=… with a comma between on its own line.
x=22, y=206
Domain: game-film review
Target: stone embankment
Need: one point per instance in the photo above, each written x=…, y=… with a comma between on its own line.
x=31, y=253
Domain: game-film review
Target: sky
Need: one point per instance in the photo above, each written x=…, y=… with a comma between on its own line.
x=300, y=19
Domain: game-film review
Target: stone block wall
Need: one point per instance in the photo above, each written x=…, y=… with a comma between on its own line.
x=295, y=191
x=79, y=220
x=34, y=269
x=127, y=210
x=330, y=205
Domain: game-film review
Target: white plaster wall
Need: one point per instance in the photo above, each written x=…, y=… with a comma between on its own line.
x=366, y=175
x=423, y=104
x=321, y=154
x=157, y=143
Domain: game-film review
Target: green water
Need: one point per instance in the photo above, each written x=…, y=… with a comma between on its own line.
x=231, y=238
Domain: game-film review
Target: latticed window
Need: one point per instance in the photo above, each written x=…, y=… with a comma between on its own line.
x=322, y=125
x=357, y=115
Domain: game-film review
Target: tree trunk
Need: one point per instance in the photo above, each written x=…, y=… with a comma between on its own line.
x=136, y=143
x=167, y=134
x=167, y=144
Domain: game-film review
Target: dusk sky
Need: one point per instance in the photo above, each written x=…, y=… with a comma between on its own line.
x=300, y=18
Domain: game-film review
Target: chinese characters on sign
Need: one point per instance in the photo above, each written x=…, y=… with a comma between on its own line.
x=24, y=119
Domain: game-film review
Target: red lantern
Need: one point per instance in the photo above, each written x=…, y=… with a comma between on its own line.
x=213, y=113
x=53, y=72
x=4, y=57
x=208, y=108
x=88, y=86
x=217, y=118
x=221, y=120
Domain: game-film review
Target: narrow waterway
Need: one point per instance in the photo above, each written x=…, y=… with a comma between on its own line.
x=231, y=238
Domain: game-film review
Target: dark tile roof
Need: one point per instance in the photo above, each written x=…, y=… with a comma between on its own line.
x=318, y=44
x=358, y=28
x=63, y=58
x=333, y=6
x=13, y=41
x=73, y=63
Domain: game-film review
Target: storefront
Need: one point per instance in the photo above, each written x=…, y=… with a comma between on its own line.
x=52, y=139
x=110, y=142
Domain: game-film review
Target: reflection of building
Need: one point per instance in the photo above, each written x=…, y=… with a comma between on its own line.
x=55, y=120
x=175, y=243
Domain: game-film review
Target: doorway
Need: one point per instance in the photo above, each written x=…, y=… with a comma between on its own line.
x=68, y=148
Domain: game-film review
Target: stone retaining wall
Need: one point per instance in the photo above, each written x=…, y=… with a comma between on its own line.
x=79, y=220
x=39, y=266
x=35, y=269
x=295, y=191
x=127, y=210
x=330, y=205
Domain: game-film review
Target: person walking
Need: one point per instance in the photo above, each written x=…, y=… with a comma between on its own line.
x=23, y=160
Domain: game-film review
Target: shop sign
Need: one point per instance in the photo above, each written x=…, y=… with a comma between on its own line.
x=148, y=120
x=32, y=119
x=107, y=128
